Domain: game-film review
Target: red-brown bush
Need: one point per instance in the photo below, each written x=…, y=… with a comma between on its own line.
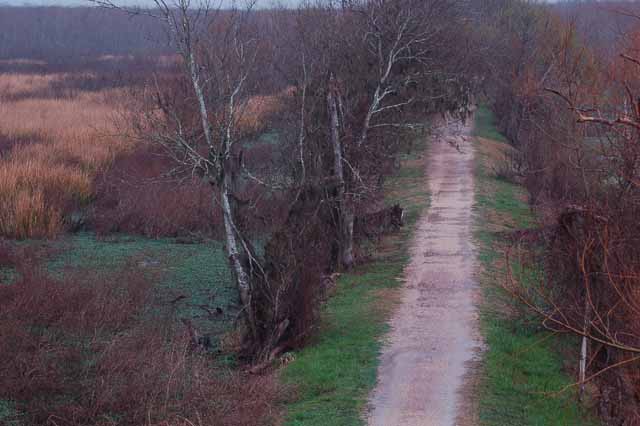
x=78, y=351
x=579, y=139
x=136, y=195
x=139, y=195
x=6, y=256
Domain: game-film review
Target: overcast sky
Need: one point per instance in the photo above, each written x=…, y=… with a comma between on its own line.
x=261, y=3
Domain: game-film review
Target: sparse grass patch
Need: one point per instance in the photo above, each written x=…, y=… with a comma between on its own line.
x=485, y=126
x=195, y=278
x=333, y=376
x=16, y=85
x=522, y=369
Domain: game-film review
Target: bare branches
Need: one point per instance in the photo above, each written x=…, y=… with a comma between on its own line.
x=354, y=84
x=402, y=38
x=218, y=53
x=543, y=302
x=582, y=117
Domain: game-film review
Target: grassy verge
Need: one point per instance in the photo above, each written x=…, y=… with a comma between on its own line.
x=522, y=367
x=195, y=278
x=198, y=273
x=485, y=127
x=332, y=377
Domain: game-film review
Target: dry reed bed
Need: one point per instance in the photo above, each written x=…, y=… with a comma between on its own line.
x=20, y=85
x=53, y=148
x=60, y=144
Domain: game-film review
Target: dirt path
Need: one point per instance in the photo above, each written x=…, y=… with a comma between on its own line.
x=433, y=336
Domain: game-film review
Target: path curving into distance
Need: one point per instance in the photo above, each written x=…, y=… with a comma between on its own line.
x=433, y=336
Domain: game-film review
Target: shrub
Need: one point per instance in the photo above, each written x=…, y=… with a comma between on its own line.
x=96, y=351
x=138, y=194
x=135, y=196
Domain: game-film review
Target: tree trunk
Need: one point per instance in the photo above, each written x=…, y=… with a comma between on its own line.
x=338, y=168
x=346, y=213
x=584, y=346
x=347, y=235
x=367, y=119
x=241, y=277
x=202, y=106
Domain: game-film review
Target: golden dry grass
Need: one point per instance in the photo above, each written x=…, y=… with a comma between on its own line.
x=73, y=139
x=64, y=143
x=80, y=129
x=256, y=112
x=13, y=84
x=34, y=193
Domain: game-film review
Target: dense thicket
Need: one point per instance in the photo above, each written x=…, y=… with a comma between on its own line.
x=358, y=81
x=573, y=115
x=98, y=348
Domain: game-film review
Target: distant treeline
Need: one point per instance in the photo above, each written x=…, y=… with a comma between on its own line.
x=599, y=23
x=73, y=35
x=63, y=35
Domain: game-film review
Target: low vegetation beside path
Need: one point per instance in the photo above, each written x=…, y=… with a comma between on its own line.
x=122, y=330
x=331, y=378
x=523, y=379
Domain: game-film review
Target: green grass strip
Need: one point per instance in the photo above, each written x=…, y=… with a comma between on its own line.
x=522, y=369
x=485, y=125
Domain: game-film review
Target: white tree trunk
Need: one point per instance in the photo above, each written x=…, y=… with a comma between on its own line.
x=584, y=347
x=338, y=168
x=346, y=215
x=583, y=363
x=348, y=218
x=241, y=277
x=204, y=116
x=375, y=102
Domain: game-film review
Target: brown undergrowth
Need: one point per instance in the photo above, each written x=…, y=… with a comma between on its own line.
x=98, y=349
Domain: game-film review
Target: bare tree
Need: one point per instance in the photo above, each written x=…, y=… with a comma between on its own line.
x=393, y=65
x=342, y=116
x=218, y=51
